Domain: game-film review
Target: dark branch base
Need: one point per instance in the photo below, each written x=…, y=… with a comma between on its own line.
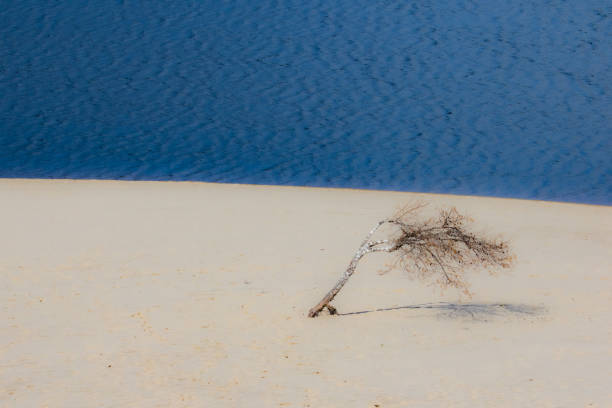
x=314, y=312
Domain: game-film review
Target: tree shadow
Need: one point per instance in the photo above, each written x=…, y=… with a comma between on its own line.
x=474, y=311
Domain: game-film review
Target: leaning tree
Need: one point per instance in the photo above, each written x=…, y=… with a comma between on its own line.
x=440, y=247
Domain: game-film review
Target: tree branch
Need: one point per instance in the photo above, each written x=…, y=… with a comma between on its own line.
x=426, y=248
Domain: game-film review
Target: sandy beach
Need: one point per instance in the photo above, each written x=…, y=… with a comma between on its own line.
x=166, y=294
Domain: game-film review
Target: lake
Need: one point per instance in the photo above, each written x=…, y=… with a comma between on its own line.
x=496, y=98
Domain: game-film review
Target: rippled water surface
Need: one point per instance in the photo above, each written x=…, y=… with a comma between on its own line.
x=486, y=97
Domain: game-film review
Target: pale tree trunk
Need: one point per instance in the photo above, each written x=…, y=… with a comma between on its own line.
x=366, y=247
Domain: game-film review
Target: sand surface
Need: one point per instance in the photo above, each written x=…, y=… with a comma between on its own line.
x=149, y=294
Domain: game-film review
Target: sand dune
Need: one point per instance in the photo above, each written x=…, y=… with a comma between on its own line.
x=143, y=294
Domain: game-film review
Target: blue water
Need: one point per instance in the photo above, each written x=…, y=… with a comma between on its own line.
x=484, y=97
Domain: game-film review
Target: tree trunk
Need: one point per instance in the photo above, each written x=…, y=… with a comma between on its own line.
x=363, y=249
x=334, y=291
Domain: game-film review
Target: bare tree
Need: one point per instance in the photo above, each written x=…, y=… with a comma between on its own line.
x=441, y=247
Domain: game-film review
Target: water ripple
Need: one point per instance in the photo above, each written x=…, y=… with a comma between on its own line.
x=476, y=97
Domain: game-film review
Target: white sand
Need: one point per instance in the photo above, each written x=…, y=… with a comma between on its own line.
x=147, y=294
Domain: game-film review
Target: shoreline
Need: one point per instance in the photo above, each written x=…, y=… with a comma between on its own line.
x=364, y=190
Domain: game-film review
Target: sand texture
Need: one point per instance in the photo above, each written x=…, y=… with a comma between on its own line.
x=151, y=294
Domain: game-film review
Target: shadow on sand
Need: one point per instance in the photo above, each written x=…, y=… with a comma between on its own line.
x=475, y=311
